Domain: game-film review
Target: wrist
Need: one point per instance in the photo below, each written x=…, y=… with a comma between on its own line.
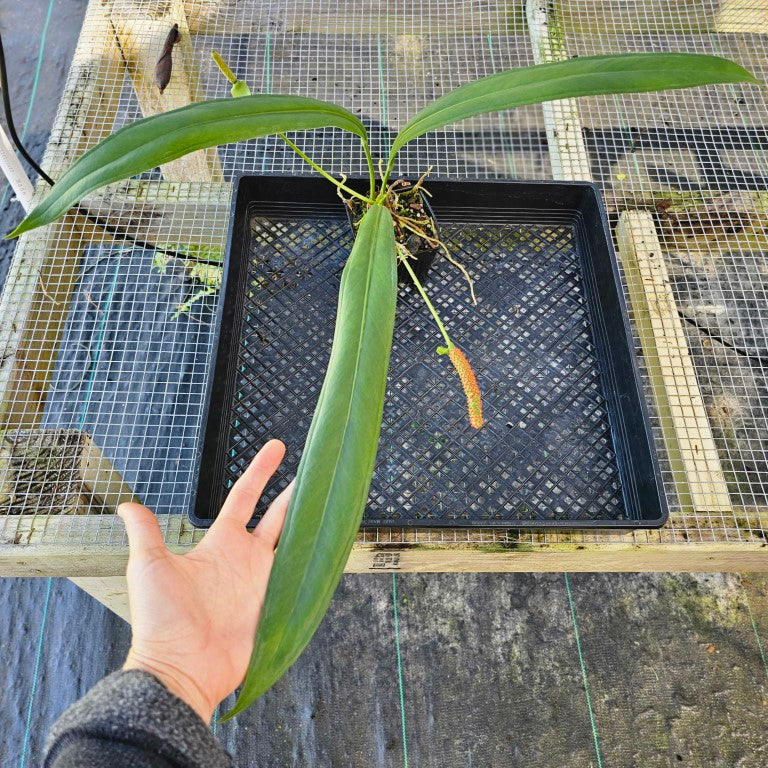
x=177, y=682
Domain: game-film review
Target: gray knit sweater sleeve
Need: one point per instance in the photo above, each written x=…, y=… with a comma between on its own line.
x=131, y=720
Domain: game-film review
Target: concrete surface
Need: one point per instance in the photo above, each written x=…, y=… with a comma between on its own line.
x=491, y=670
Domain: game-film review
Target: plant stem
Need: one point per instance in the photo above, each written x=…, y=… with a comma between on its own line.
x=224, y=67
x=230, y=75
x=385, y=177
x=327, y=175
x=428, y=303
x=371, y=171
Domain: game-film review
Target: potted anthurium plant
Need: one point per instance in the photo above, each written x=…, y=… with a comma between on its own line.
x=337, y=463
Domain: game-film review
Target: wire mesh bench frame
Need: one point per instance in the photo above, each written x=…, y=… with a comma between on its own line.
x=91, y=547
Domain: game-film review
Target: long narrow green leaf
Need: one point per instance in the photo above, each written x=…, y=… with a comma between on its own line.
x=583, y=76
x=336, y=467
x=158, y=139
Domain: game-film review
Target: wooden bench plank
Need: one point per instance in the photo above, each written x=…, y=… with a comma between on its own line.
x=691, y=448
x=746, y=16
x=91, y=97
x=141, y=33
x=567, y=150
x=89, y=561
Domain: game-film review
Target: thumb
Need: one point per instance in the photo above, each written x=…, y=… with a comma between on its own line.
x=144, y=533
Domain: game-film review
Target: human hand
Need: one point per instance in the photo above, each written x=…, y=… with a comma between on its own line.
x=194, y=616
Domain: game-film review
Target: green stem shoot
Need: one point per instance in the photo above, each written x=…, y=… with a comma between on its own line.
x=385, y=175
x=224, y=67
x=424, y=296
x=245, y=91
x=371, y=171
x=324, y=173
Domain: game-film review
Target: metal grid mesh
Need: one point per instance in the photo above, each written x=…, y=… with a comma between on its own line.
x=695, y=159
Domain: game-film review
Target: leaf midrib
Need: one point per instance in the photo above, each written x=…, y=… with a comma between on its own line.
x=344, y=431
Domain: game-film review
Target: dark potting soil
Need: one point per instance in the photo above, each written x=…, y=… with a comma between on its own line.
x=413, y=204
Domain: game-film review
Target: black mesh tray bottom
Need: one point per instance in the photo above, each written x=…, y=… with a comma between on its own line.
x=545, y=453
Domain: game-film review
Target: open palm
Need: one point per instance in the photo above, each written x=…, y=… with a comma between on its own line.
x=194, y=616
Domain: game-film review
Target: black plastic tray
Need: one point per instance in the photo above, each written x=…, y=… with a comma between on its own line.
x=567, y=441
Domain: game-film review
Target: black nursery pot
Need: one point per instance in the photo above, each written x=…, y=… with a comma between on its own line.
x=423, y=253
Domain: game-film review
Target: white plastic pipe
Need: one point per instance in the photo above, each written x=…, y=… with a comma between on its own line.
x=14, y=172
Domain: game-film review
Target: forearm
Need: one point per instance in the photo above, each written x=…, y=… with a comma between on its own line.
x=131, y=719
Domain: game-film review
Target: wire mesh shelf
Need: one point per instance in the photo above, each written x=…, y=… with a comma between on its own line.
x=114, y=341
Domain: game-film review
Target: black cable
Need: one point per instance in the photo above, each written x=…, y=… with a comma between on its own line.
x=116, y=233
x=9, y=117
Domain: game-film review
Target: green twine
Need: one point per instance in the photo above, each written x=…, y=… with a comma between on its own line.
x=35, y=675
x=383, y=95
x=583, y=670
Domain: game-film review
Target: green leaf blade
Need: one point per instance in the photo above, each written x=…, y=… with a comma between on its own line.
x=583, y=76
x=336, y=467
x=158, y=139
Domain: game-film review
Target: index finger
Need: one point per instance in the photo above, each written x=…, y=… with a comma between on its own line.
x=245, y=493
